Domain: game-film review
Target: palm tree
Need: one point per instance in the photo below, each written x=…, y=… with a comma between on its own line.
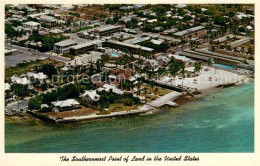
x=183, y=72
x=197, y=67
x=145, y=93
x=138, y=92
x=209, y=62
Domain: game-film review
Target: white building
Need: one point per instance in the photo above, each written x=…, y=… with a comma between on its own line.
x=69, y=103
x=64, y=46
x=137, y=6
x=49, y=21
x=91, y=96
x=7, y=87
x=56, y=31
x=32, y=76
x=17, y=80
x=152, y=21
x=113, y=88
x=31, y=25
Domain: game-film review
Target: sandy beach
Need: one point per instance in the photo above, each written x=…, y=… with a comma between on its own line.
x=208, y=78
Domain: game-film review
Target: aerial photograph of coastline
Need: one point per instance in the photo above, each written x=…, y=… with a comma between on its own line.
x=129, y=78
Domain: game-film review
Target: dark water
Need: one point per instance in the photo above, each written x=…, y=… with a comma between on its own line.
x=221, y=121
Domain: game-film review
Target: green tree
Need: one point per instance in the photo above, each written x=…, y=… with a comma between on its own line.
x=49, y=70
x=98, y=67
x=198, y=67
x=10, y=31
x=34, y=104
x=20, y=90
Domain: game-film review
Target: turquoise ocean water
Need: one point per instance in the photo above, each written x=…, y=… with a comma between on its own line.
x=219, y=121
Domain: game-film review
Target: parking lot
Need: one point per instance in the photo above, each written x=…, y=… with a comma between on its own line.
x=12, y=60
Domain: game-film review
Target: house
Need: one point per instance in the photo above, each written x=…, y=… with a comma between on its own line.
x=137, y=6
x=7, y=87
x=144, y=19
x=66, y=104
x=84, y=34
x=126, y=8
x=64, y=46
x=49, y=21
x=158, y=28
x=121, y=74
x=99, y=84
x=162, y=60
x=249, y=27
x=113, y=89
x=181, y=6
x=32, y=76
x=17, y=80
x=153, y=14
x=56, y=31
x=44, y=106
x=152, y=21
x=151, y=64
x=40, y=76
x=91, y=96
x=157, y=42
x=203, y=9
x=64, y=69
x=32, y=25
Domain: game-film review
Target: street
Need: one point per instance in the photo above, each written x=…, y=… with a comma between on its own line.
x=35, y=54
x=23, y=104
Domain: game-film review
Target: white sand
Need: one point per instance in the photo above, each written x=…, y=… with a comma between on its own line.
x=202, y=81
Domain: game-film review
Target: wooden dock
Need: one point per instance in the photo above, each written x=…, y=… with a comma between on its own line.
x=165, y=99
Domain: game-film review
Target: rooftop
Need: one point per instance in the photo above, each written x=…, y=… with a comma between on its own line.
x=47, y=18
x=187, y=31
x=65, y=43
x=32, y=23
x=102, y=29
x=65, y=103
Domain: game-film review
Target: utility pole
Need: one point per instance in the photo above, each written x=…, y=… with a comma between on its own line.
x=18, y=103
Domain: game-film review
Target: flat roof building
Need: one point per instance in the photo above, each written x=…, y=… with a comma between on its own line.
x=197, y=32
x=107, y=30
x=127, y=47
x=63, y=46
x=85, y=47
x=49, y=21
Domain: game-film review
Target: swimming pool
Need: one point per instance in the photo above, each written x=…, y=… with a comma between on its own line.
x=114, y=54
x=223, y=66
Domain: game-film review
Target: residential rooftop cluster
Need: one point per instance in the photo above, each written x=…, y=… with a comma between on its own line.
x=102, y=59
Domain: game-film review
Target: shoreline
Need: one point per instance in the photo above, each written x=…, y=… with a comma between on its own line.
x=142, y=110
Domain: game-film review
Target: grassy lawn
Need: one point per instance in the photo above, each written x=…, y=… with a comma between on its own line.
x=27, y=67
x=67, y=55
x=117, y=107
x=155, y=90
x=82, y=29
x=77, y=112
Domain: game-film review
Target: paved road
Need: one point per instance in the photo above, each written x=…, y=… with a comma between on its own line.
x=23, y=104
x=45, y=54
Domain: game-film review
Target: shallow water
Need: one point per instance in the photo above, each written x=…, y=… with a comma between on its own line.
x=220, y=121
